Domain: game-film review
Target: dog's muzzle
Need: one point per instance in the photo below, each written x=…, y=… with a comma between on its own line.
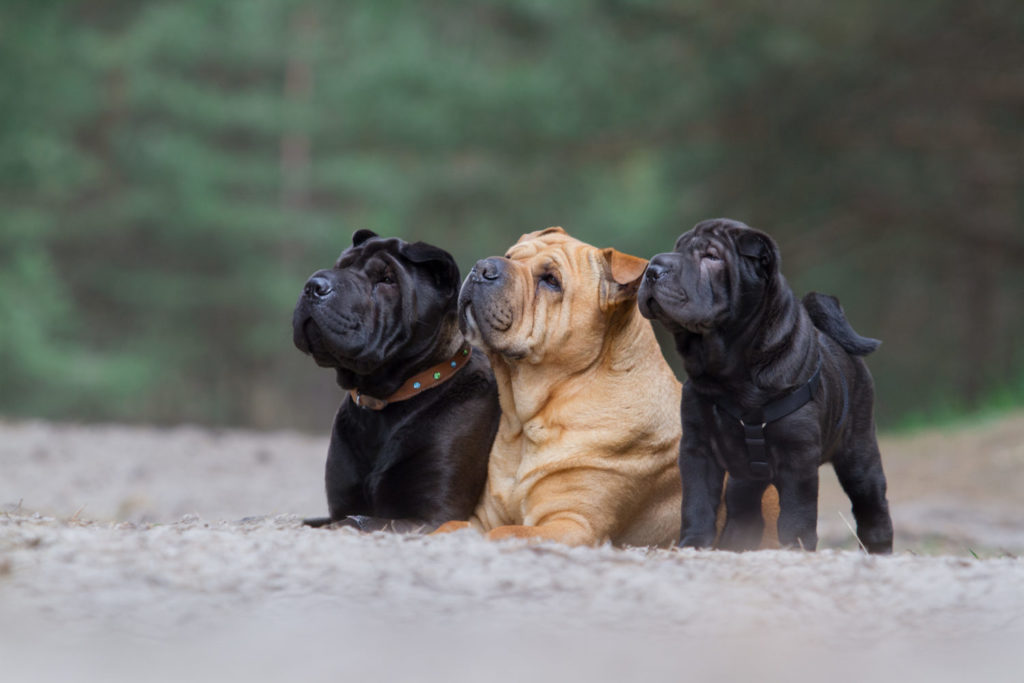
x=318, y=287
x=489, y=271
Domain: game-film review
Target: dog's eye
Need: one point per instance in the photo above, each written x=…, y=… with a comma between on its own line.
x=550, y=280
x=386, y=278
x=711, y=256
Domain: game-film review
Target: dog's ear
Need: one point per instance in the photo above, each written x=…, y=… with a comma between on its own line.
x=360, y=236
x=623, y=274
x=440, y=263
x=760, y=248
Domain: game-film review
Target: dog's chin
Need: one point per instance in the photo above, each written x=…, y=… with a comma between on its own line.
x=668, y=308
x=678, y=318
x=698, y=324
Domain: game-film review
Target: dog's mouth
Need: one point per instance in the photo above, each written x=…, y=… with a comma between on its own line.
x=484, y=328
x=312, y=339
x=309, y=339
x=664, y=302
x=301, y=333
x=469, y=326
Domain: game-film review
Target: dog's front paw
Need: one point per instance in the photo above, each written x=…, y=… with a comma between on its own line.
x=352, y=522
x=449, y=527
x=697, y=541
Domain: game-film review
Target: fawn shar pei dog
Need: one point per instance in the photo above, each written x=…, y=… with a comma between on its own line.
x=586, y=447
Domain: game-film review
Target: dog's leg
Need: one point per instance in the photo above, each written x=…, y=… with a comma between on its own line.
x=566, y=531
x=702, y=493
x=861, y=476
x=449, y=527
x=798, y=513
x=350, y=521
x=744, y=525
x=770, y=514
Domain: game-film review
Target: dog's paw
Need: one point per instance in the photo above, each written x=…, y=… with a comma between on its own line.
x=567, y=532
x=449, y=527
x=352, y=522
x=697, y=541
x=514, y=531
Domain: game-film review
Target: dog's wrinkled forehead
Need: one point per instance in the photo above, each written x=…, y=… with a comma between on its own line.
x=718, y=231
x=542, y=241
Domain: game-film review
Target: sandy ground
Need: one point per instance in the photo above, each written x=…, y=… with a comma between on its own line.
x=150, y=554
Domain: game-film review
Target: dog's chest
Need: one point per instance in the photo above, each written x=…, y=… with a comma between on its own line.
x=521, y=463
x=727, y=446
x=785, y=440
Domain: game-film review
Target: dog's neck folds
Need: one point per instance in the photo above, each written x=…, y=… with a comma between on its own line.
x=758, y=358
x=527, y=387
x=386, y=382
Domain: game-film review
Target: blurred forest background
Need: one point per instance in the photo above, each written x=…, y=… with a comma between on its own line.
x=171, y=171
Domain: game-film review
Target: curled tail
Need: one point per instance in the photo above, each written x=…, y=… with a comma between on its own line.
x=828, y=316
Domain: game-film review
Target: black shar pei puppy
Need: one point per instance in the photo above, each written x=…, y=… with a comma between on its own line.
x=776, y=388
x=411, y=440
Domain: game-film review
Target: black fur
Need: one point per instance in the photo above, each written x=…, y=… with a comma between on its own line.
x=828, y=316
x=387, y=310
x=743, y=336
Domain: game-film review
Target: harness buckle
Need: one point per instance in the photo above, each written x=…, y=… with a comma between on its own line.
x=757, y=451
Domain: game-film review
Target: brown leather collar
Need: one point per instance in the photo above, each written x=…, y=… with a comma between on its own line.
x=417, y=384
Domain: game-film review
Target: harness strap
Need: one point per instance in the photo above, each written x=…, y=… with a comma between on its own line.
x=755, y=421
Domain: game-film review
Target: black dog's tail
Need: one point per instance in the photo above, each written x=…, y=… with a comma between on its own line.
x=828, y=316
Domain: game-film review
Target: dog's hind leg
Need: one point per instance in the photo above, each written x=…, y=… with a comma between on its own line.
x=860, y=474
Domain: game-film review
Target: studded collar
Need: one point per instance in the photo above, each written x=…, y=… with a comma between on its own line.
x=417, y=384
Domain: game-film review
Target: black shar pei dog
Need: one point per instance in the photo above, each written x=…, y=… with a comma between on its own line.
x=776, y=387
x=410, y=441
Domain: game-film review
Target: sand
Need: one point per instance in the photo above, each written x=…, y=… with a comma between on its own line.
x=132, y=554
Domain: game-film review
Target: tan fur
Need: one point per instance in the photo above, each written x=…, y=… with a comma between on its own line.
x=586, y=451
x=769, y=511
x=587, y=445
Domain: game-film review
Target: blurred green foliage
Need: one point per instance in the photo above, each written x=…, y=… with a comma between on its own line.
x=170, y=172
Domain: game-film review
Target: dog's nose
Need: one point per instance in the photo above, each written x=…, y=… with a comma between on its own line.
x=317, y=287
x=490, y=269
x=655, y=270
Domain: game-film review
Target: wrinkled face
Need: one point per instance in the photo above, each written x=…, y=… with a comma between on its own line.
x=715, y=278
x=550, y=298
x=384, y=300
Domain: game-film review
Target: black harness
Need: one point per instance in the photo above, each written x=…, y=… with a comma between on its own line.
x=755, y=421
